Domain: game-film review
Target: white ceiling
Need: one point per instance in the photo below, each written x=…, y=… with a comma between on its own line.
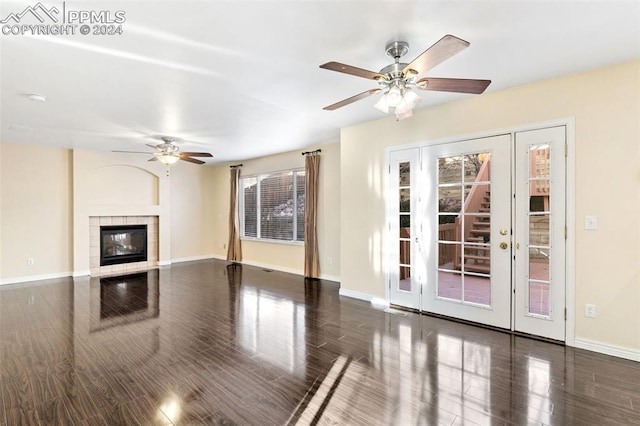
x=242, y=79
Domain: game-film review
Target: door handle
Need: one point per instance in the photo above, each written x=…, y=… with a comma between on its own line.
x=504, y=246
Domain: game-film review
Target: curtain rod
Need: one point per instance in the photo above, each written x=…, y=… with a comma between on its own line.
x=312, y=152
x=235, y=166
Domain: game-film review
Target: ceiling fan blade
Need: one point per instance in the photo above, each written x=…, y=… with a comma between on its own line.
x=352, y=99
x=460, y=85
x=439, y=52
x=135, y=152
x=154, y=158
x=196, y=154
x=153, y=146
x=191, y=160
x=348, y=69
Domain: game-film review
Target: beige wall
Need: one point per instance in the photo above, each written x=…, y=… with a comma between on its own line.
x=606, y=107
x=41, y=189
x=192, y=211
x=288, y=257
x=36, y=211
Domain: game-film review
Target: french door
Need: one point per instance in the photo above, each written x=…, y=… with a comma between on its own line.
x=468, y=207
x=404, y=276
x=540, y=234
x=478, y=230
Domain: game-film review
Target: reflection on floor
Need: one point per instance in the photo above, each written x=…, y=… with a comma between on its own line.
x=211, y=343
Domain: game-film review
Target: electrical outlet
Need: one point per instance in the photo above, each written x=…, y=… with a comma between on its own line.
x=329, y=261
x=590, y=310
x=30, y=261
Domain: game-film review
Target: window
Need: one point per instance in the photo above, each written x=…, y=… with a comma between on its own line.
x=272, y=206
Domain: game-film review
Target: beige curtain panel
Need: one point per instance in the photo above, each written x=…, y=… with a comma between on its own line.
x=234, y=250
x=311, y=257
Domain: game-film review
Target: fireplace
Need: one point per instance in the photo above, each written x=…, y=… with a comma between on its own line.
x=123, y=244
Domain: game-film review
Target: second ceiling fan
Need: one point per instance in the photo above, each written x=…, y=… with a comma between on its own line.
x=398, y=80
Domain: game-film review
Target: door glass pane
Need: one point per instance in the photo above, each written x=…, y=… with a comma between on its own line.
x=449, y=170
x=448, y=229
x=404, y=169
x=477, y=289
x=405, y=226
x=447, y=254
x=539, y=191
x=539, y=161
x=405, y=199
x=539, y=230
x=477, y=229
x=405, y=252
x=450, y=199
x=450, y=285
x=405, y=278
x=477, y=258
x=539, y=264
x=539, y=298
x=477, y=198
x=473, y=170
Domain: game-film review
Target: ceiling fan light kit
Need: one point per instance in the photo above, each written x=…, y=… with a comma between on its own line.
x=168, y=159
x=168, y=153
x=397, y=81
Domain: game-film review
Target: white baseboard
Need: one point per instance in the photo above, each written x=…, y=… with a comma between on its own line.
x=191, y=259
x=80, y=273
x=377, y=302
x=164, y=263
x=604, y=348
x=274, y=267
x=294, y=271
x=356, y=295
x=26, y=279
x=330, y=277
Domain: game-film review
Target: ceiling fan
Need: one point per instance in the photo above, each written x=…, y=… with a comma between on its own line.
x=168, y=152
x=398, y=80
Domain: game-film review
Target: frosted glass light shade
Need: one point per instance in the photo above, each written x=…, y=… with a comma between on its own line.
x=411, y=99
x=382, y=104
x=168, y=159
x=394, y=96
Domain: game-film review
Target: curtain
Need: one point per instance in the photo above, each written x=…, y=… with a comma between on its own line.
x=311, y=257
x=234, y=250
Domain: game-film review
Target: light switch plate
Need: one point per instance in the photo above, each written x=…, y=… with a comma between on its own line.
x=591, y=223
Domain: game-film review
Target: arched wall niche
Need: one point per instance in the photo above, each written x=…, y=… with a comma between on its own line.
x=122, y=184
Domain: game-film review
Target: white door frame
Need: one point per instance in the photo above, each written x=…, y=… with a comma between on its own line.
x=570, y=264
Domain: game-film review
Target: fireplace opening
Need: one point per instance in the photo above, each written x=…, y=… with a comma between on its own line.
x=123, y=244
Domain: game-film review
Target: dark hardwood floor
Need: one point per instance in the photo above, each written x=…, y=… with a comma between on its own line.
x=211, y=343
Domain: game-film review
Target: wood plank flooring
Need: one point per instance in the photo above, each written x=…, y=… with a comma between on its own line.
x=211, y=343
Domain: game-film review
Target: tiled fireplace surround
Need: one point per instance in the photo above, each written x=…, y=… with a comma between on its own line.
x=94, y=244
